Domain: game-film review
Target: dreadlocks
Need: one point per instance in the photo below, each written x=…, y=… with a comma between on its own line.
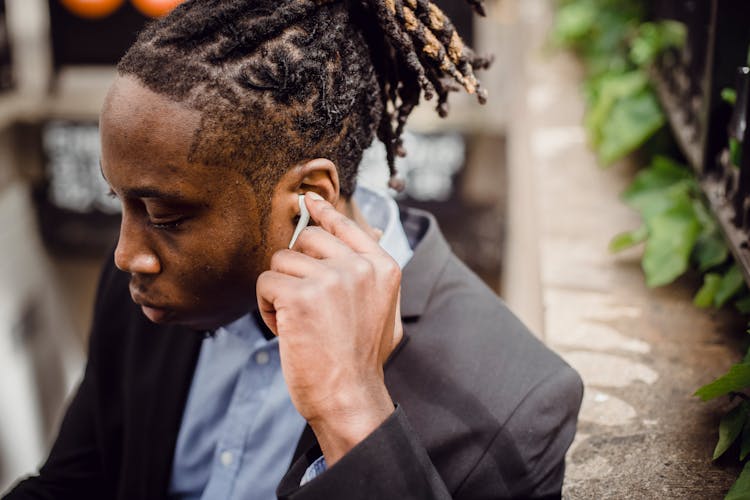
x=281, y=81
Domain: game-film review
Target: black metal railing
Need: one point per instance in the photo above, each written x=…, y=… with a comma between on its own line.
x=692, y=83
x=6, y=68
x=682, y=76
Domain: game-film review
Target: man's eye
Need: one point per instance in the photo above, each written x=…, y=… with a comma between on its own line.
x=166, y=224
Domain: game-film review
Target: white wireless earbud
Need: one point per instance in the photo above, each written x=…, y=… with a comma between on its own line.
x=304, y=219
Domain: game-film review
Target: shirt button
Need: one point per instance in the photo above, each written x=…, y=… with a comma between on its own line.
x=262, y=358
x=227, y=458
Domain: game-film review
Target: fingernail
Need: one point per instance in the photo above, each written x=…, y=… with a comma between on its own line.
x=315, y=196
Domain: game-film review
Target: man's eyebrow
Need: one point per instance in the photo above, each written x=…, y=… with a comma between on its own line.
x=146, y=192
x=152, y=192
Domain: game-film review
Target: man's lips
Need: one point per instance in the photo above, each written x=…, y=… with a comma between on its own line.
x=154, y=312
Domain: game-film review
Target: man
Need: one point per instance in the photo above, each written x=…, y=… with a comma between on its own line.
x=222, y=115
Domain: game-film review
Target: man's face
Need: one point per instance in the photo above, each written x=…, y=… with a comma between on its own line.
x=189, y=235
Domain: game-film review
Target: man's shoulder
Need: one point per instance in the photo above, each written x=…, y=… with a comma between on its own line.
x=448, y=310
x=469, y=339
x=471, y=374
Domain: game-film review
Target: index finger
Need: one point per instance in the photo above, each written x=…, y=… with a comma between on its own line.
x=339, y=225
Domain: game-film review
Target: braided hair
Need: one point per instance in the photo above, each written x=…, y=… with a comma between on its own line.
x=278, y=82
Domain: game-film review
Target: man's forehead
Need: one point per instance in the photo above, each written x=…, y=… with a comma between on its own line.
x=142, y=131
x=132, y=106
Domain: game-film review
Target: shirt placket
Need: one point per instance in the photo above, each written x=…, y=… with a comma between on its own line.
x=248, y=398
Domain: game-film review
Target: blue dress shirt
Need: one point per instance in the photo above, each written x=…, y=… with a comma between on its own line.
x=240, y=428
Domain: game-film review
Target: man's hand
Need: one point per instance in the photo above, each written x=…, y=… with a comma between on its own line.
x=333, y=303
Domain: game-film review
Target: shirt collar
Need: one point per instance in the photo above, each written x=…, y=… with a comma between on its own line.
x=381, y=212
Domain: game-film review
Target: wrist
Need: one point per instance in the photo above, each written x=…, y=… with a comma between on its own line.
x=356, y=414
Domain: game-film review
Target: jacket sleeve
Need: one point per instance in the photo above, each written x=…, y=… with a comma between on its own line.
x=389, y=463
x=526, y=459
x=74, y=468
x=539, y=433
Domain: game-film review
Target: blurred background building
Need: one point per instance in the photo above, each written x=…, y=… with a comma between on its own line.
x=57, y=225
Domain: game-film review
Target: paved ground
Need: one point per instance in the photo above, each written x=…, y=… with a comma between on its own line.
x=641, y=352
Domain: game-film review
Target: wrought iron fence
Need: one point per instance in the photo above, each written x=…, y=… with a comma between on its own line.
x=694, y=83
x=6, y=69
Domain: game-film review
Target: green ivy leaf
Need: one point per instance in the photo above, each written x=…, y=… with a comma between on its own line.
x=646, y=45
x=729, y=96
x=705, y=296
x=673, y=33
x=659, y=187
x=633, y=120
x=706, y=219
x=610, y=89
x=605, y=47
x=740, y=490
x=731, y=284
x=736, y=379
x=710, y=251
x=657, y=202
x=662, y=172
x=654, y=38
x=672, y=235
x=730, y=427
x=628, y=239
x=574, y=21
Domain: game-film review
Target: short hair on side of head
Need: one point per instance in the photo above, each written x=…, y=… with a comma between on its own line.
x=278, y=82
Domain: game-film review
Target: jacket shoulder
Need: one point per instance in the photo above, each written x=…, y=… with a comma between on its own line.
x=472, y=376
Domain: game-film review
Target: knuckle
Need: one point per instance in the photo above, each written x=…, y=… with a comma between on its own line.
x=330, y=281
x=362, y=268
x=303, y=296
x=392, y=270
x=389, y=270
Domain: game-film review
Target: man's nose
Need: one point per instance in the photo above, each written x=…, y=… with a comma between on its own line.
x=133, y=254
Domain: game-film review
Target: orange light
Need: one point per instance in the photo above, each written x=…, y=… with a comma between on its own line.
x=92, y=9
x=156, y=8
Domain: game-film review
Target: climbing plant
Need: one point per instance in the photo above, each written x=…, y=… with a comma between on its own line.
x=623, y=116
x=617, y=47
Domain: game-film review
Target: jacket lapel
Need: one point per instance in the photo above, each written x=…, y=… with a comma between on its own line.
x=161, y=386
x=431, y=253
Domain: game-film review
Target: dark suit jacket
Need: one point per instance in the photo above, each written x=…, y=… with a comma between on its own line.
x=484, y=410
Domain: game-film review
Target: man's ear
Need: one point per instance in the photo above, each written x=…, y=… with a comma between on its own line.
x=319, y=176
